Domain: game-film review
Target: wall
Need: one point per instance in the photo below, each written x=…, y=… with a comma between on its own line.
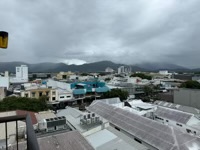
x=2, y=93
x=187, y=97
x=4, y=82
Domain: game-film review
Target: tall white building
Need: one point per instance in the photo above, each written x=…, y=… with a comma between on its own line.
x=124, y=69
x=21, y=74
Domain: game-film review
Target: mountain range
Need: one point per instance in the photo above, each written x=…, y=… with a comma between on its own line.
x=90, y=67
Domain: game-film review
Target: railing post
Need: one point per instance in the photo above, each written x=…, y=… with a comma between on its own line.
x=6, y=135
x=32, y=143
x=17, y=134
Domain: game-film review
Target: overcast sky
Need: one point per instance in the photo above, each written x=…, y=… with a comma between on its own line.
x=123, y=31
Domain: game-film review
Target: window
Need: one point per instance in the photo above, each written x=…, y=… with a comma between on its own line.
x=53, y=98
x=159, y=118
x=179, y=124
x=62, y=97
x=47, y=93
x=137, y=140
x=117, y=128
x=53, y=93
x=188, y=130
x=26, y=95
x=167, y=121
x=33, y=94
x=68, y=96
x=40, y=94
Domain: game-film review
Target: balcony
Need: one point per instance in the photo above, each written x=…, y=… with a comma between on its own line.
x=31, y=140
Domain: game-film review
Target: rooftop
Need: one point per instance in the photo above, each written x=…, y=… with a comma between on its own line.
x=160, y=136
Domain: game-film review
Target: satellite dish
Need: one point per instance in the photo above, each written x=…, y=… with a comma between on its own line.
x=3, y=39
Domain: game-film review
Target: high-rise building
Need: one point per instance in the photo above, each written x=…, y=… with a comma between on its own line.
x=124, y=70
x=22, y=72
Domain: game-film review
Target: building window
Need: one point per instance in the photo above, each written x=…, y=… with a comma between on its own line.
x=53, y=93
x=33, y=94
x=62, y=97
x=167, y=121
x=68, y=96
x=117, y=128
x=40, y=94
x=47, y=93
x=138, y=140
x=159, y=118
x=53, y=98
x=188, y=130
x=179, y=124
x=26, y=95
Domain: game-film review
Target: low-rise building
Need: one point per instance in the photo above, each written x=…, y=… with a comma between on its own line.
x=64, y=75
x=187, y=97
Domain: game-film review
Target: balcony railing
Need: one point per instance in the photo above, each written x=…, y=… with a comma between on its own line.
x=32, y=143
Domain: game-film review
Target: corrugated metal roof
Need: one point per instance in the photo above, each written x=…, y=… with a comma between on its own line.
x=178, y=107
x=155, y=134
x=174, y=115
x=114, y=100
x=72, y=140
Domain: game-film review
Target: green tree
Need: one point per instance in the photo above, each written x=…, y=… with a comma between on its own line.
x=142, y=75
x=23, y=103
x=190, y=84
x=107, y=79
x=123, y=95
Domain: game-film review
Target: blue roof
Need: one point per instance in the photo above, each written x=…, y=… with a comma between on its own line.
x=79, y=91
x=102, y=89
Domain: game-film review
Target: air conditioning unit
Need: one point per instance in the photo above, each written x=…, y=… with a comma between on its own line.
x=88, y=121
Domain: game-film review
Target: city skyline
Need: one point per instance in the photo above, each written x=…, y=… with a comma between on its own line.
x=129, y=32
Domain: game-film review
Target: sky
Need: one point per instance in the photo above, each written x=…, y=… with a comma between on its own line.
x=84, y=31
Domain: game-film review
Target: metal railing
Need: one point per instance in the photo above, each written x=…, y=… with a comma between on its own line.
x=32, y=143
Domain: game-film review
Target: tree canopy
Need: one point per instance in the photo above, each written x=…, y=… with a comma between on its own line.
x=191, y=84
x=141, y=75
x=123, y=95
x=23, y=103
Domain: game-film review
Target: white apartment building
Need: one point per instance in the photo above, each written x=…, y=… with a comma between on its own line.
x=21, y=75
x=124, y=70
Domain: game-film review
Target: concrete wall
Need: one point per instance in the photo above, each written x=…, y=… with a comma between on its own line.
x=2, y=93
x=187, y=97
x=4, y=82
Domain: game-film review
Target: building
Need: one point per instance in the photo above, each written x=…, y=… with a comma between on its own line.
x=64, y=75
x=2, y=93
x=145, y=131
x=60, y=95
x=21, y=75
x=81, y=89
x=124, y=70
x=98, y=132
x=109, y=70
x=36, y=93
x=184, y=77
x=4, y=82
x=187, y=97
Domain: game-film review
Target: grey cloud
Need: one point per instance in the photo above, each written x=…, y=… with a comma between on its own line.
x=91, y=30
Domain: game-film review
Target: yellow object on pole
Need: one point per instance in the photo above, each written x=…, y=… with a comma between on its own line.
x=3, y=39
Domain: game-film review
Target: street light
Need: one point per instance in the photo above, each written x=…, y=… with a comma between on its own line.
x=3, y=39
